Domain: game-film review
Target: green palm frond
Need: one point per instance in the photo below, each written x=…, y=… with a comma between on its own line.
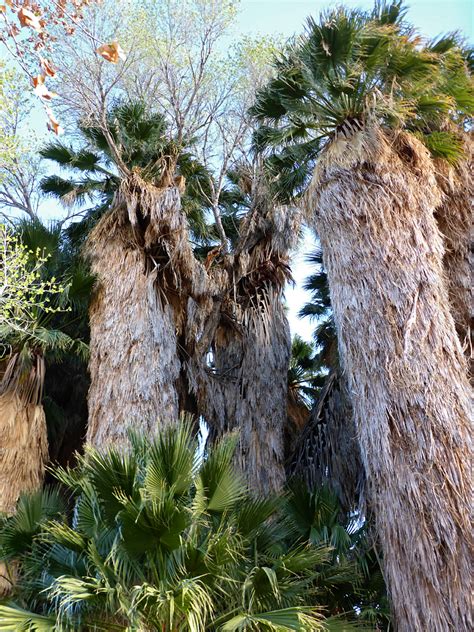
x=161, y=538
x=14, y=619
x=350, y=67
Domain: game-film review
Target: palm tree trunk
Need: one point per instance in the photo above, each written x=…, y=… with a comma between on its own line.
x=327, y=450
x=247, y=390
x=374, y=198
x=454, y=217
x=145, y=270
x=23, y=435
x=23, y=441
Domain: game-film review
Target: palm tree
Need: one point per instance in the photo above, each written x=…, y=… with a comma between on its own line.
x=23, y=425
x=358, y=94
x=66, y=380
x=251, y=342
x=305, y=380
x=27, y=351
x=160, y=540
x=140, y=252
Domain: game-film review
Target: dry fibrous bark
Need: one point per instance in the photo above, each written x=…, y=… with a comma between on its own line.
x=454, y=216
x=374, y=195
x=23, y=440
x=327, y=450
x=145, y=271
x=245, y=387
x=23, y=436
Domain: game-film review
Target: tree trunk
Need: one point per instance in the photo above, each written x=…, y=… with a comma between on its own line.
x=374, y=198
x=23, y=435
x=145, y=269
x=327, y=451
x=454, y=217
x=247, y=389
x=24, y=449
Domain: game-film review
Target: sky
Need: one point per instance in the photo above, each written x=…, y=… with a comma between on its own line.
x=286, y=17
x=266, y=17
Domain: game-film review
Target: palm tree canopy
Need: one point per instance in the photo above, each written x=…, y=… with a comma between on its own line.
x=352, y=67
x=145, y=145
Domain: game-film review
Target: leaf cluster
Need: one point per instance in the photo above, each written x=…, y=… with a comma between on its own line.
x=353, y=67
x=162, y=538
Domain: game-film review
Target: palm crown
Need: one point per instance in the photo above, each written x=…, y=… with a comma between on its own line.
x=352, y=67
x=141, y=137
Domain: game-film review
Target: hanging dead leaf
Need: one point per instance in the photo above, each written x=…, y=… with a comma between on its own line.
x=112, y=52
x=47, y=67
x=53, y=123
x=41, y=90
x=28, y=18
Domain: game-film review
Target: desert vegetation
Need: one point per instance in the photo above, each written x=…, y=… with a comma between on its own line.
x=173, y=456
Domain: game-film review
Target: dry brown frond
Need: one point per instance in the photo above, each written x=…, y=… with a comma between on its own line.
x=455, y=221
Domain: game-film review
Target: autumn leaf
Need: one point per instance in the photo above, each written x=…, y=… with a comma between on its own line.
x=53, y=124
x=28, y=18
x=41, y=90
x=47, y=67
x=111, y=52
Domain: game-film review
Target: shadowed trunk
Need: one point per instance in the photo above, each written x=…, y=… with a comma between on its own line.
x=327, y=450
x=245, y=386
x=145, y=269
x=248, y=388
x=454, y=217
x=374, y=198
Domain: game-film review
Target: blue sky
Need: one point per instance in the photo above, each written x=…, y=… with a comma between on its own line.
x=287, y=16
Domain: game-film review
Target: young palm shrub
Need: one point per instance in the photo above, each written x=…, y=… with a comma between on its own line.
x=161, y=539
x=141, y=256
x=360, y=95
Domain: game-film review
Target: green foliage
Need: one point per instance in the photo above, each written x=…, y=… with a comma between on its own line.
x=305, y=374
x=352, y=67
x=163, y=539
x=319, y=309
x=145, y=145
x=25, y=291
